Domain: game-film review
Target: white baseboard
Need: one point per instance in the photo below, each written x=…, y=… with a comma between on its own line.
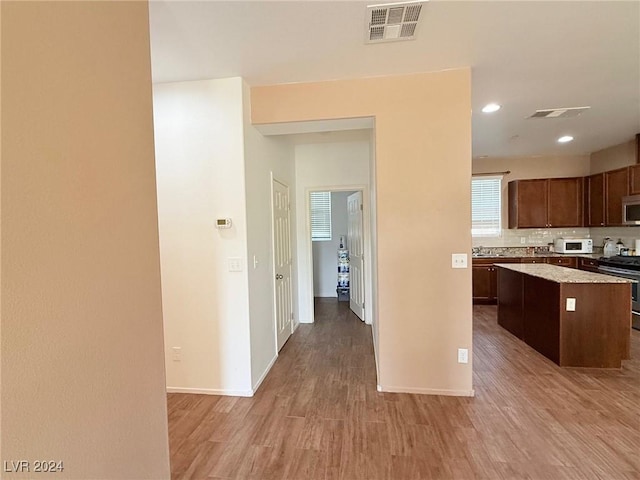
x=211, y=391
x=264, y=374
x=427, y=391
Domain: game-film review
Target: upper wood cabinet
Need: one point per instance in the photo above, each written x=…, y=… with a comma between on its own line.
x=634, y=180
x=547, y=202
x=616, y=187
x=594, y=203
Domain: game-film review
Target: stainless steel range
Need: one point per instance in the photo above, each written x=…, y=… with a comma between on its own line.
x=625, y=267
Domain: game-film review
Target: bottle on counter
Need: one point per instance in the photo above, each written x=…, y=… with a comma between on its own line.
x=619, y=246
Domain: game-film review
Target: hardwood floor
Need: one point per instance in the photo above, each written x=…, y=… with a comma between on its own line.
x=318, y=416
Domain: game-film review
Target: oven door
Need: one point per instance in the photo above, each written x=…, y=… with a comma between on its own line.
x=635, y=302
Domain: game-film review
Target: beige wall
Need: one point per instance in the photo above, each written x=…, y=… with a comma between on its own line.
x=617, y=156
x=423, y=171
x=529, y=167
x=83, y=377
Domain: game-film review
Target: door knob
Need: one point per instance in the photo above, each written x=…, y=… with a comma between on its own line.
x=279, y=277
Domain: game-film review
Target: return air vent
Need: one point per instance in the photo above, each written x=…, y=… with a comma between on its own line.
x=392, y=22
x=559, y=112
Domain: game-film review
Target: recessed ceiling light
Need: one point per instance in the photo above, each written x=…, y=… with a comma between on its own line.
x=491, y=107
x=565, y=139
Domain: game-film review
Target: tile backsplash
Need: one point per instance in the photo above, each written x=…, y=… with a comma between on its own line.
x=535, y=237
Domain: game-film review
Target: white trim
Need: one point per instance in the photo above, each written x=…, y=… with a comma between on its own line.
x=211, y=391
x=264, y=374
x=427, y=391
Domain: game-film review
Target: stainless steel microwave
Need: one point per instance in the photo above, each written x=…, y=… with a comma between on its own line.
x=631, y=210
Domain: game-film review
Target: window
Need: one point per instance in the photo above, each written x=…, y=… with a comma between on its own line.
x=485, y=206
x=320, y=216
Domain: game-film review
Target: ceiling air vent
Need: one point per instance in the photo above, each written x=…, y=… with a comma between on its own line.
x=559, y=112
x=392, y=22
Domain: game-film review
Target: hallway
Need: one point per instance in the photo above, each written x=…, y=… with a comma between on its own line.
x=318, y=416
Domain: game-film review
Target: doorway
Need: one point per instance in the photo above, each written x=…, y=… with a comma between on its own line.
x=338, y=252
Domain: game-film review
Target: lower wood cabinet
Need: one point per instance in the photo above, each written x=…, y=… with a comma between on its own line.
x=569, y=262
x=485, y=276
x=588, y=264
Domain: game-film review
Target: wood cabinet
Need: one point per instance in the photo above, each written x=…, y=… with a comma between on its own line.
x=484, y=282
x=634, y=180
x=569, y=262
x=533, y=260
x=565, y=202
x=616, y=187
x=484, y=278
x=588, y=264
x=594, y=334
x=594, y=200
x=528, y=203
x=545, y=203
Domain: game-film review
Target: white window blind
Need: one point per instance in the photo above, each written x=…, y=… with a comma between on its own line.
x=485, y=206
x=320, y=216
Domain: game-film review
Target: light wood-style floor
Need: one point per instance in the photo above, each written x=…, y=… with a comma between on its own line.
x=318, y=416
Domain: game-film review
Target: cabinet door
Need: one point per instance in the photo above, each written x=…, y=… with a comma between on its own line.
x=616, y=187
x=595, y=200
x=570, y=262
x=634, y=179
x=484, y=282
x=588, y=264
x=565, y=202
x=528, y=203
x=533, y=260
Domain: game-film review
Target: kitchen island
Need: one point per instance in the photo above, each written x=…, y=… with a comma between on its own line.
x=574, y=318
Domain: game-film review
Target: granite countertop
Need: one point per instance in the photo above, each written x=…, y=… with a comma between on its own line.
x=557, y=274
x=538, y=255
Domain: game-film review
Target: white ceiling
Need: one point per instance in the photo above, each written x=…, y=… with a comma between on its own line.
x=524, y=55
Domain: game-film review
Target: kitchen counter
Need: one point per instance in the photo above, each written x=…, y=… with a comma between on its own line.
x=574, y=318
x=557, y=274
x=538, y=255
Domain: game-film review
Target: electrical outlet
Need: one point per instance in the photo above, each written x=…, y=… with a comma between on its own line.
x=176, y=354
x=463, y=355
x=523, y=240
x=571, y=304
x=458, y=260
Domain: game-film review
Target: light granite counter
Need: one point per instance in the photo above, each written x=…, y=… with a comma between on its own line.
x=595, y=256
x=558, y=274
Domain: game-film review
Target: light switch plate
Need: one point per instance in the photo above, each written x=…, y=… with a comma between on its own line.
x=235, y=264
x=458, y=260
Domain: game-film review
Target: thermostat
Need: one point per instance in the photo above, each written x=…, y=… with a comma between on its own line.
x=223, y=223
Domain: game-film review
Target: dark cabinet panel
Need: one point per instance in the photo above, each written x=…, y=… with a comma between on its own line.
x=634, y=180
x=595, y=200
x=588, y=264
x=570, y=262
x=616, y=187
x=484, y=283
x=565, y=202
x=546, y=202
x=528, y=203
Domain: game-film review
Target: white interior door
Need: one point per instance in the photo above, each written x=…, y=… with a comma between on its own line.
x=281, y=262
x=355, y=240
